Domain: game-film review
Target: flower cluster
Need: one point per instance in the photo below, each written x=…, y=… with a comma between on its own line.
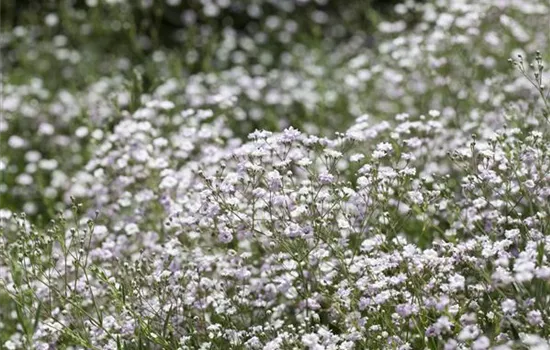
x=395, y=197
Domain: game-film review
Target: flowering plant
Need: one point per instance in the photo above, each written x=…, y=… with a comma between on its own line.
x=395, y=197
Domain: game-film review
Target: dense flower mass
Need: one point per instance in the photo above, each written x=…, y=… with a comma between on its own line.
x=267, y=174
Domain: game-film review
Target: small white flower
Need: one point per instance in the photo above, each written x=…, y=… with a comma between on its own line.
x=332, y=153
x=509, y=306
x=168, y=182
x=326, y=178
x=274, y=180
x=534, y=317
x=81, y=132
x=131, y=229
x=468, y=333
x=225, y=236
x=51, y=20
x=16, y=142
x=456, y=282
x=356, y=157
x=481, y=343
x=530, y=184
x=416, y=197
x=47, y=164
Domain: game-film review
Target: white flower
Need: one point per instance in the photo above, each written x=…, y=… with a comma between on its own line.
x=16, y=142
x=382, y=150
x=274, y=180
x=534, y=317
x=326, y=178
x=46, y=129
x=524, y=269
x=131, y=229
x=416, y=197
x=332, y=153
x=512, y=234
x=456, y=282
x=10, y=345
x=508, y=306
x=356, y=157
x=543, y=273
x=535, y=342
x=81, y=132
x=168, y=182
x=310, y=340
x=384, y=147
x=378, y=154
x=481, y=343
x=51, y=20
x=24, y=179
x=225, y=236
x=47, y=164
x=479, y=203
x=468, y=333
